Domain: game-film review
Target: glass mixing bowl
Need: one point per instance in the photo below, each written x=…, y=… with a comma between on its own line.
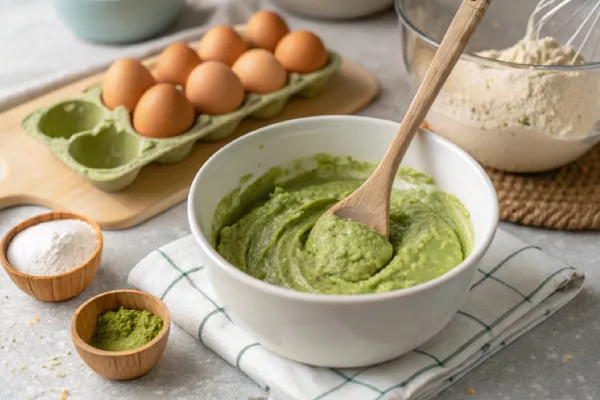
x=508, y=116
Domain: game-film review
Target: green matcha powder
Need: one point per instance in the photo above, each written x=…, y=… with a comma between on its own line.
x=125, y=329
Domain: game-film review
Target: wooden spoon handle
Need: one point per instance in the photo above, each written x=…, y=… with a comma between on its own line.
x=460, y=31
x=370, y=203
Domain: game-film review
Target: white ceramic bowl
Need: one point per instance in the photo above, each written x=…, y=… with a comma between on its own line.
x=340, y=330
x=335, y=9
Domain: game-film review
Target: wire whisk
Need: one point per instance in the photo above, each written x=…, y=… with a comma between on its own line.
x=560, y=14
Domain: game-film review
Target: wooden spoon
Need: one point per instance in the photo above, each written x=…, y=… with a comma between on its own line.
x=370, y=203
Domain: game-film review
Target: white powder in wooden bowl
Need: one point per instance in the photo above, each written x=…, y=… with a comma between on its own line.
x=52, y=248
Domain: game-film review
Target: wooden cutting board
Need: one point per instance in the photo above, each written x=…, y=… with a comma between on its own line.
x=32, y=175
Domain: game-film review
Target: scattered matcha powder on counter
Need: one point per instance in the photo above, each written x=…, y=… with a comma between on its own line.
x=524, y=120
x=125, y=329
x=54, y=360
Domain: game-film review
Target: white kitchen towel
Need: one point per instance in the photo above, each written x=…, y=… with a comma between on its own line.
x=517, y=286
x=40, y=54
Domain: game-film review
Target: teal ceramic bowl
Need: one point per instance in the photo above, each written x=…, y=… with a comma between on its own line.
x=118, y=21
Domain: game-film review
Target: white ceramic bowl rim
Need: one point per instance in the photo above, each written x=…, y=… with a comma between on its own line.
x=477, y=58
x=220, y=262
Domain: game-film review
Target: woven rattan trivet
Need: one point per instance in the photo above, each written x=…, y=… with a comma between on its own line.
x=567, y=198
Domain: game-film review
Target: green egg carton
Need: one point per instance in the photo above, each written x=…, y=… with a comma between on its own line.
x=102, y=146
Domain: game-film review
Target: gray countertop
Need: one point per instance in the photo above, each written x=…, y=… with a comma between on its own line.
x=559, y=360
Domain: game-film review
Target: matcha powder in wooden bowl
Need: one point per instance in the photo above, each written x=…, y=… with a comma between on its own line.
x=125, y=329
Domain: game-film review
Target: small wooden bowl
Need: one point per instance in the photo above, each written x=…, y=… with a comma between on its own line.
x=55, y=287
x=119, y=365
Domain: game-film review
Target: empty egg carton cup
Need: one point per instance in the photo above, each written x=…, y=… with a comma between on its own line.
x=102, y=146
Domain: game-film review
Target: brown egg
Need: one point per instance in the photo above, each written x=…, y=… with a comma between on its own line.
x=259, y=71
x=301, y=52
x=163, y=112
x=221, y=43
x=265, y=29
x=214, y=89
x=175, y=64
x=124, y=83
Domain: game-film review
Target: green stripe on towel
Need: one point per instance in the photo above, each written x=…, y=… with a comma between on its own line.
x=478, y=335
x=355, y=381
x=514, y=289
x=486, y=275
x=180, y=277
x=467, y=343
x=434, y=358
x=205, y=320
x=238, y=359
x=193, y=284
x=474, y=318
x=336, y=388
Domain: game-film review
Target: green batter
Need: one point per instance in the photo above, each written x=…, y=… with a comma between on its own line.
x=124, y=329
x=276, y=230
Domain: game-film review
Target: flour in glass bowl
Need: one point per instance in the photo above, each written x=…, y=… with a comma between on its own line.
x=557, y=104
x=52, y=248
x=500, y=113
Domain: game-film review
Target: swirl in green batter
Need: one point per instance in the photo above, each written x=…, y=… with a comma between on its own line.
x=278, y=231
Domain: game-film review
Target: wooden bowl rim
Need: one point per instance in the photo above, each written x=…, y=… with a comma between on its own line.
x=39, y=219
x=81, y=344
